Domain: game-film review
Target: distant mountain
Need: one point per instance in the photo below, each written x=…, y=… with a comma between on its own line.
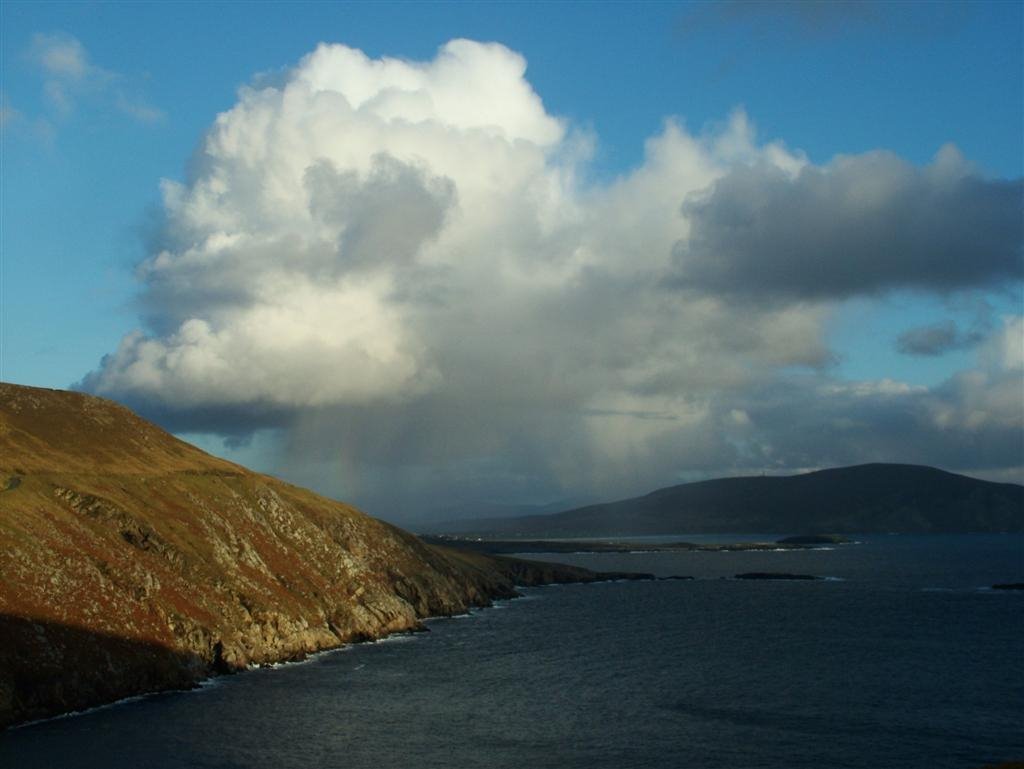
x=131, y=561
x=863, y=498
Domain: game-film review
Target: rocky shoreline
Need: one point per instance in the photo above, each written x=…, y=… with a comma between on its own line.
x=49, y=670
x=132, y=562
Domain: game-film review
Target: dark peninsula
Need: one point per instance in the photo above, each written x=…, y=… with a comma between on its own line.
x=534, y=546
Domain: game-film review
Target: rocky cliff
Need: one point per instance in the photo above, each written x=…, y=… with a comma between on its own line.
x=131, y=561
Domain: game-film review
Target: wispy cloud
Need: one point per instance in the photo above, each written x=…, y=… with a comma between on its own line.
x=937, y=339
x=8, y=114
x=71, y=79
x=806, y=18
x=744, y=30
x=813, y=20
x=139, y=110
x=14, y=121
x=62, y=56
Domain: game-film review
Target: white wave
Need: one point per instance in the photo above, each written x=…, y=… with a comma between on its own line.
x=309, y=658
x=394, y=638
x=210, y=682
x=97, y=708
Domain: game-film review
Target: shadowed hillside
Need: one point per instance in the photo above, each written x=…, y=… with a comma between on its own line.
x=864, y=498
x=131, y=561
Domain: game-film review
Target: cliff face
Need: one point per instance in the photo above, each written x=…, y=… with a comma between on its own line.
x=131, y=561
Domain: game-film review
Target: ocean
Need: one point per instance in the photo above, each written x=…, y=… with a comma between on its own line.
x=903, y=658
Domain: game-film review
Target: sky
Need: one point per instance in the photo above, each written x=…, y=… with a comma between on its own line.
x=444, y=260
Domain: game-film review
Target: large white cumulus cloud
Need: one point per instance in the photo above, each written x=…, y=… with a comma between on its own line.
x=398, y=261
x=370, y=228
x=308, y=207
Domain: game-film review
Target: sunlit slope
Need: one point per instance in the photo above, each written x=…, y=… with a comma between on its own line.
x=114, y=529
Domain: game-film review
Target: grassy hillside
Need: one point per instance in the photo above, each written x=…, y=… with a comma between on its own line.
x=132, y=561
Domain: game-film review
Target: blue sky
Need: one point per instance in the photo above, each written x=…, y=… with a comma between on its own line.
x=86, y=142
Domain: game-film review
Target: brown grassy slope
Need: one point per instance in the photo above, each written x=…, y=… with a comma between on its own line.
x=117, y=539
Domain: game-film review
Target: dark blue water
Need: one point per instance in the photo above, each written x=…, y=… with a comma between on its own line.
x=901, y=662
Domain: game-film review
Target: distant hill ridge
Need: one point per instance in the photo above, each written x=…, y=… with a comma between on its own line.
x=858, y=499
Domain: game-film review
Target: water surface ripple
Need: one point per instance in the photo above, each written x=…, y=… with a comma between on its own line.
x=905, y=661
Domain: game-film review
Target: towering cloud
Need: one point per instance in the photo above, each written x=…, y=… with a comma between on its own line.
x=398, y=263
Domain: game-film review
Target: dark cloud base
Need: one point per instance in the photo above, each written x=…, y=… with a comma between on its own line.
x=862, y=225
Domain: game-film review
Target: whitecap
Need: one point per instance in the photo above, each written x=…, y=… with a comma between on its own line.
x=105, y=706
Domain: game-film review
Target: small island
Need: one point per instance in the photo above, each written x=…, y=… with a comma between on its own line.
x=814, y=539
x=771, y=575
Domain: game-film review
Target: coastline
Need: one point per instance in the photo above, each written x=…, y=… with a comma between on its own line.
x=213, y=677
x=134, y=562
x=519, y=547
